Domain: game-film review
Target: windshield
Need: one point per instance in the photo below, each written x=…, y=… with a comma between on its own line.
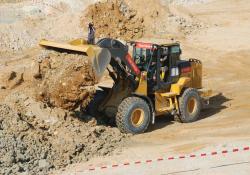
x=145, y=59
x=143, y=53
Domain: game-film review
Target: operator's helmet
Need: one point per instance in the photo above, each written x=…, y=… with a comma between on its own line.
x=90, y=24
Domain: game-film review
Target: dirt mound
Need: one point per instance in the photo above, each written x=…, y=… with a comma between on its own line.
x=58, y=79
x=128, y=20
x=115, y=19
x=37, y=137
x=66, y=80
x=30, y=145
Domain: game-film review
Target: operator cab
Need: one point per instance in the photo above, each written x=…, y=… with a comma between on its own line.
x=159, y=61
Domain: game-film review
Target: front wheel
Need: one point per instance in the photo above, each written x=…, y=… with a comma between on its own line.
x=189, y=106
x=133, y=115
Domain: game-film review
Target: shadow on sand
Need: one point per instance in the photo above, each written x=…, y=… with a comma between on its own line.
x=217, y=104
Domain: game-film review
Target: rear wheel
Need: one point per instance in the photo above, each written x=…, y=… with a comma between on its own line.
x=189, y=106
x=133, y=115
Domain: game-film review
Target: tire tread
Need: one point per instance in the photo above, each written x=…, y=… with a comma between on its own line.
x=122, y=111
x=182, y=105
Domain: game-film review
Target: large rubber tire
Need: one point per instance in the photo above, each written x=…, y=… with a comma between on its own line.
x=189, y=106
x=127, y=112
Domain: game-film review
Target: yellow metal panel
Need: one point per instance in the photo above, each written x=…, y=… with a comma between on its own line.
x=205, y=93
x=165, y=104
x=182, y=82
x=196, y=74
x=168, y=94
x=142, y=88
x=162, y=104
x=80, y=48
x=78, y=42
x=176, y=103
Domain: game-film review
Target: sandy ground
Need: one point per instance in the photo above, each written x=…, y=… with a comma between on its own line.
x=224, y=49
x=201, y=162
x=217, y=33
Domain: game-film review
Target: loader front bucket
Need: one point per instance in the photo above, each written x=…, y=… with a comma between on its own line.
x=99, y=57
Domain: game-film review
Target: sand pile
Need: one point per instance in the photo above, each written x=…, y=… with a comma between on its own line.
x=115, y=19
x=30, y=145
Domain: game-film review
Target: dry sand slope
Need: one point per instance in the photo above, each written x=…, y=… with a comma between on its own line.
x=216, y=32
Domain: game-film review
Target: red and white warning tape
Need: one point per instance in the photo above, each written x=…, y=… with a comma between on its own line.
x=148, y=161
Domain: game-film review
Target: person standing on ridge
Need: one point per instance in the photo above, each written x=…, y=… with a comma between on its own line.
x=91, y=34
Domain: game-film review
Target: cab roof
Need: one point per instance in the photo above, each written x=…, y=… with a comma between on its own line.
x=150, y=45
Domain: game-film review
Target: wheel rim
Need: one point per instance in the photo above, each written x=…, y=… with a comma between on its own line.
x=137, y=117
x=191, y=106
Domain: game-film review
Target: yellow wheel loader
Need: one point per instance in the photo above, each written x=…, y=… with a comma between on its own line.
x=154, y=81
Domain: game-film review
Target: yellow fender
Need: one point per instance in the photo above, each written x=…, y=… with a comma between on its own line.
x=182, y=82
x=142, y=87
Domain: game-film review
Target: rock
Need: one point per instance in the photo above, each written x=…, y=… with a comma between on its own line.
x=12, y=75
x=43, y=164
x=35, y=70
x=92, y=121
x=31, y=145
x=2, y=86
x=16, y=81
x=155, y=14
